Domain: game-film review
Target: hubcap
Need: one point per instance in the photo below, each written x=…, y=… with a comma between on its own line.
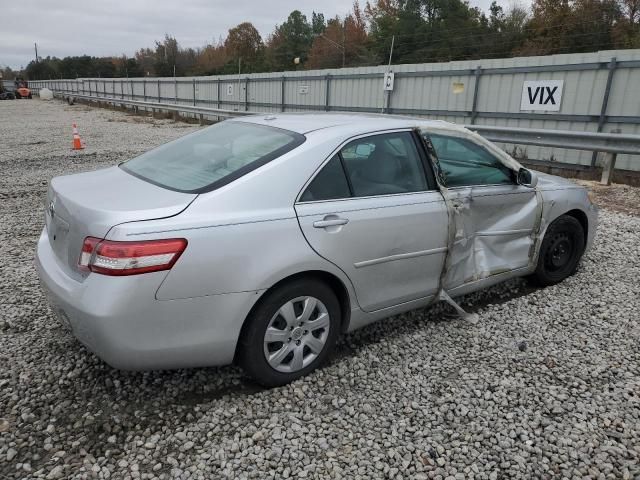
x=560, y=252
x=296, y=334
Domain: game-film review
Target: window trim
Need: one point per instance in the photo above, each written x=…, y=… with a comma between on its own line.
x=488, y=152
x=431, y=186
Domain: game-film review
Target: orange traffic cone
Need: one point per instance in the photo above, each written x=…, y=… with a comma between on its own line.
x=77, y=144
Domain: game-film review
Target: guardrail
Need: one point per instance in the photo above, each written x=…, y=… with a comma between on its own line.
x=610, y=143
x=152, y=106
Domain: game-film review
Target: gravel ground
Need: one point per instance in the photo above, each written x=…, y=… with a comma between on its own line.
x=617, y=197
x=545, y=385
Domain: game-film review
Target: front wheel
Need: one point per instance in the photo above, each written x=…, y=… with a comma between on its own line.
x=290, y=333
x=560, y=252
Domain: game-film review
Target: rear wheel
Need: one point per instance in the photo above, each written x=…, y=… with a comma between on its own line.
x=290, y=333
x=30, y=96
x=560, y=252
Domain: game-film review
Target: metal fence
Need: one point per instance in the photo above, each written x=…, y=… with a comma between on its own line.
x=600, y=93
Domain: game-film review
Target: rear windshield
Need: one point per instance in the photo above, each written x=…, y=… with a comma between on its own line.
x=210, y=158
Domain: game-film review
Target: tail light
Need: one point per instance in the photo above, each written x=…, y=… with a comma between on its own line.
x=129, y=258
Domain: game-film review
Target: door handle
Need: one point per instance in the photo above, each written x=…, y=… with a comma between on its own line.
x=330, y=222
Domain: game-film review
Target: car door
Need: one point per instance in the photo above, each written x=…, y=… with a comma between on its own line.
x=373, y=210
x=496, y=220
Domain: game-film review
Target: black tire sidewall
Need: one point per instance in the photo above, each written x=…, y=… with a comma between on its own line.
x=566, y=224
x=251, y=354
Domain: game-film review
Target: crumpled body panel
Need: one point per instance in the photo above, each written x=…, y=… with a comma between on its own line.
x=494, y=230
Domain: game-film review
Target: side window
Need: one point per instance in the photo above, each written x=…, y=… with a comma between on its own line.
x=384, y=164
x=465, y=163
x=329, y=184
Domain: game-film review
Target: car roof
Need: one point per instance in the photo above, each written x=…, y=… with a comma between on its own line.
x=308, y=122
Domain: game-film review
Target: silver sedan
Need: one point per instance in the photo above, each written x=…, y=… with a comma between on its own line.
x=259, y=240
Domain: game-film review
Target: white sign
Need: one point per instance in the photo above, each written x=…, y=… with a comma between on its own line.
x=542, y=95
x=230, y=89
x=303, y=89
x=388, y=81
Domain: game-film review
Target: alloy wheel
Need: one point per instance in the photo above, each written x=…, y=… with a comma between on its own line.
x=296, y=334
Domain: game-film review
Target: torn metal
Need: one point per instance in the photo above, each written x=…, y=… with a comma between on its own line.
x=492, y=230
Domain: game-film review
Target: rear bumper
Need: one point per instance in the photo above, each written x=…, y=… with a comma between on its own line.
x=119, y=319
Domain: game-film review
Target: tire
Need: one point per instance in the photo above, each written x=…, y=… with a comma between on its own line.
x=17, y=96
x=30, y=96
x=560, y=252
x=294, y=351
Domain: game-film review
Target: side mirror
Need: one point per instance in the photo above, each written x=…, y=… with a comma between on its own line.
x=527, y=178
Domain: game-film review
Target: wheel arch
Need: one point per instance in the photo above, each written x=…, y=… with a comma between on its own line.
x=582, y=218
x=332, y=281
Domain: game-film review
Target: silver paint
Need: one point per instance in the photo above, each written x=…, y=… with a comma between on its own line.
x=391, y=253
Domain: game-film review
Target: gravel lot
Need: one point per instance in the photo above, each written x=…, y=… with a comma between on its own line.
x=545, y=385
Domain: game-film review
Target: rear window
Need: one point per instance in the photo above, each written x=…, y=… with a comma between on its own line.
x=210, y=158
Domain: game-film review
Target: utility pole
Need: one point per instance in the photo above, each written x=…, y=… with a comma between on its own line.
x=343, y=44
x=239, y=69
x=387, y=93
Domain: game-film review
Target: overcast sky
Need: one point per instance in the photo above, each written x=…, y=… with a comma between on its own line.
x=114, y=27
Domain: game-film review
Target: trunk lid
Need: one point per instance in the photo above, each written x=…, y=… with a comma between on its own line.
x=89, y=204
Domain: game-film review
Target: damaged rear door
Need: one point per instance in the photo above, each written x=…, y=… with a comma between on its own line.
x=493, y=220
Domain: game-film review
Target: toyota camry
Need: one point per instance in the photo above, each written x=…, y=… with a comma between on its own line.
x=259, y=240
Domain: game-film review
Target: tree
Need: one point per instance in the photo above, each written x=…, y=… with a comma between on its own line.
x=592, y=25
x=145, y=58
x=211, y=59
x=343, y=42
x=383, y=17
x=244, y=44
x=128, y=67
x=290, y=40
x=576, y=26
x=548, y=30
x=8, y=73
x=317, y=23
x=626, y=32
x=166, y=57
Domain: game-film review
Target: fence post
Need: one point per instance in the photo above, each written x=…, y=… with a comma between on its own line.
x=144, y=89
x=159, y=98
x=194, y=92
x=327, y=87
x=246, y=94
x=474, y=107
x=175, y=90
x=89, y=87
x=609, y=164
x=218, y=93
x=605, y=102
x=282, y=86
